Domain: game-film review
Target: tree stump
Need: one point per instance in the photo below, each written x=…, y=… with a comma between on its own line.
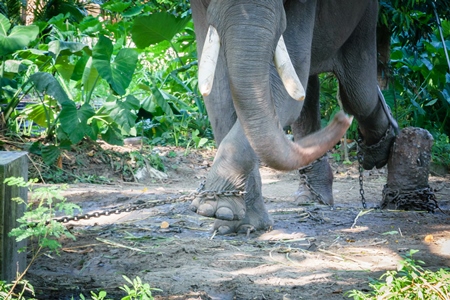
x=12, y=164
x=407, y=185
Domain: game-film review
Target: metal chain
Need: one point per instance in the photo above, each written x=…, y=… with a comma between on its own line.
x=418, y=199
x=360, y=156
x=361, y=178
x=360, y=142
x=199, y=193
x=316, y=195
x=304, y=178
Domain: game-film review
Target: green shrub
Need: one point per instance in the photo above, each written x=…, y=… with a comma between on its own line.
x=410, y=281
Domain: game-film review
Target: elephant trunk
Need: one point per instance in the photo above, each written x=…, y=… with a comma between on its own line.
x=249, y=47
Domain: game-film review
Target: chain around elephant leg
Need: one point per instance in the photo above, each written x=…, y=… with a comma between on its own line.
x=316, y=181
x=376, y=155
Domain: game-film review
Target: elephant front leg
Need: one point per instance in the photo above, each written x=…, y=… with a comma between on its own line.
x=256, y=215
x=235, y=170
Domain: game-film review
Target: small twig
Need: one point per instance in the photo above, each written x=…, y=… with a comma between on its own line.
x=34, y=165
x=360, y=214
x=131, y=171
x=213, y=235
x=342, y=257
x=118, y=245
x=295, y=240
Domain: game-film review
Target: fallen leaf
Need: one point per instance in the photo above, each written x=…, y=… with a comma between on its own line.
x=429, y=238
x=164, y=225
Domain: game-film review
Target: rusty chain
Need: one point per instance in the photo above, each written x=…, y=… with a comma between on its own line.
x=418, y=199
x=199, y=193
x=305, y=180
x=361, y=179
x=360, y=157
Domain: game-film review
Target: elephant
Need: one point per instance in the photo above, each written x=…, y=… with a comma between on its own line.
x=255, y=58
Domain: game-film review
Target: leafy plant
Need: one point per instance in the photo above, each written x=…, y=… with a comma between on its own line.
x=441, y=150
x=7, y=290
x=137, y=291
x=84, y=91
x=410, y=281
x=37, y=226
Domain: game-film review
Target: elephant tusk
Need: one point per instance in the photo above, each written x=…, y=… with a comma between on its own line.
x=208, y=61
x=287, y=73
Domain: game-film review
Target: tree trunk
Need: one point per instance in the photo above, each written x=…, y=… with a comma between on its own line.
x=408, y=169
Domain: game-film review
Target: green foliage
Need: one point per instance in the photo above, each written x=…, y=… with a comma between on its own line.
x=38, y=227
x=410, y=281
x=84, y=79
x=155, y=28
x=420, y=89
x=118, y=73
x=12, y=10
x=16, y=38
x=36, y=223
x=411, y=20
x=137, y=291
x=7, y=290
x=441, y=150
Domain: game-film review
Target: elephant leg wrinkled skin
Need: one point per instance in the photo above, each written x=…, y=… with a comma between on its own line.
x=235, y=167
x=254, y=59
x=256, y=215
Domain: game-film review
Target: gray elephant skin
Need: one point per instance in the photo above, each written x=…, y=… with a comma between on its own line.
x=248, y=104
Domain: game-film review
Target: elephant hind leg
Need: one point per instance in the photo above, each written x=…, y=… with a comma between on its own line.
x=356, y=70
x=316, y=180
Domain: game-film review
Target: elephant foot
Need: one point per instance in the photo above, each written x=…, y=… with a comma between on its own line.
x=316, y=183
x=376, y=155
x=224, y=205
x=256, y=219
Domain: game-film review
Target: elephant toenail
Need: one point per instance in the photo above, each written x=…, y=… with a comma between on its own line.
x=206, y=210
x=224, y=230
x=224, y=213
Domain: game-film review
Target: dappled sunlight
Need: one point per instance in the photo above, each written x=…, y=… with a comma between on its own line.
x=355, y=229
x=312, y=250
x=280, y=235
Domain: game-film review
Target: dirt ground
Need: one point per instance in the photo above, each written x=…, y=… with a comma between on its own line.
x=313, y=251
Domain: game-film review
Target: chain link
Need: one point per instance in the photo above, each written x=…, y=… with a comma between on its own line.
x=199, y=193
x=305, y=180
x=361, y=178
x=418, y=199
x=360, y=156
